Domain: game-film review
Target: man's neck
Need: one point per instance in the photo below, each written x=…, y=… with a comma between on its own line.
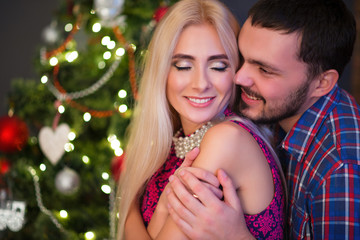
x=288, y=123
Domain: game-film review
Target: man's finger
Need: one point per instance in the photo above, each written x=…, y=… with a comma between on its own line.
x=204, y=194
x=229, y=191
x=182, y=193
x=216, y=190
x=178, y=212
x=202, y=175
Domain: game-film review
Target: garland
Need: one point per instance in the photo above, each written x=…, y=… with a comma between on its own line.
x=46, y=211
x=74, y=104
x=62, y=95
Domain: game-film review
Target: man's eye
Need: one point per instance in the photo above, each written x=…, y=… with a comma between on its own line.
x=264, y=70
x=182, y=65
x=219, y=66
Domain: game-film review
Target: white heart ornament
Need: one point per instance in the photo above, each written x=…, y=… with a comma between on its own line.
x=52, y=142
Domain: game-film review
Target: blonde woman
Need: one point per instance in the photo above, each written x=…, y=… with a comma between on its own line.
x=185, y=91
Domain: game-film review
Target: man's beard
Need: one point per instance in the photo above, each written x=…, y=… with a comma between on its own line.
x=280, y=111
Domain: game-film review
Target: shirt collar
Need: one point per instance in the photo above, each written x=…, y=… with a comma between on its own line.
x=300, y=137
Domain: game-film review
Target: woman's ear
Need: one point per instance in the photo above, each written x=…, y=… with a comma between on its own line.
x=325, y=82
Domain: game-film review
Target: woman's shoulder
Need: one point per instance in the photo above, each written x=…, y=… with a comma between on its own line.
x=229, y=132
x=228, y=144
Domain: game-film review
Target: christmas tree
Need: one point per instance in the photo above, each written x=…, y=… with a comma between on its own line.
x=61, y=146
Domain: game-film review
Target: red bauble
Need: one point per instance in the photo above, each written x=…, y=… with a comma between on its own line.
x=4, y=166
x=13, y=134
x=117, y=166
x=159, y=13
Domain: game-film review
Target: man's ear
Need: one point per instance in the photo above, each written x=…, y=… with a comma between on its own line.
x=325, y=82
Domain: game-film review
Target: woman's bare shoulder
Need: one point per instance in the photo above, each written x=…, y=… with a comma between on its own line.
x=231, y=136
x=228, y=144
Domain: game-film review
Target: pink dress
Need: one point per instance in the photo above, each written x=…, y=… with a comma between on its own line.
x=269, y=224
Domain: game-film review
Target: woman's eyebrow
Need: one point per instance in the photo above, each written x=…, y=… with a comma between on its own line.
x=183, y=56
x=219, y=56
x=186, y=56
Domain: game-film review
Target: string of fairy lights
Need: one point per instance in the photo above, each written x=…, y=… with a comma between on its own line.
x=52, y=58
x=66, y=52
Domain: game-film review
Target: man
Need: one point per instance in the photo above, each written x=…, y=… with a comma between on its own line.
x=293, y=54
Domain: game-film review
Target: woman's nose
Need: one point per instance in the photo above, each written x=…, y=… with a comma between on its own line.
x=201, y=80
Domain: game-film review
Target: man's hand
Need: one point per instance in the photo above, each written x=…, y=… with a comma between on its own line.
x=204, y=215
x=208, y=179
x=212, y=183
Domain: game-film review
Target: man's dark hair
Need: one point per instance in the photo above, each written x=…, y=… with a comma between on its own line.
x=327, y=29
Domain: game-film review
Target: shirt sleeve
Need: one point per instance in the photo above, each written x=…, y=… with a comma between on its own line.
x=336, y=205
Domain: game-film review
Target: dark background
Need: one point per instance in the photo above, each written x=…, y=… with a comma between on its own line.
x=22, y=23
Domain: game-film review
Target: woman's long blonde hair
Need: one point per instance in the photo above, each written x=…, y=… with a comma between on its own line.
x=154, y=121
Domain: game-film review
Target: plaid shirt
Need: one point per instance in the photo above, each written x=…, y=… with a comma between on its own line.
x=322, y=168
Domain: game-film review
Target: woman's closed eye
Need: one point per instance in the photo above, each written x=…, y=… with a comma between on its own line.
x=219, y=66
x=182, y=65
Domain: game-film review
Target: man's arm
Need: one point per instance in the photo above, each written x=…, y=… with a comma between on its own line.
x=336, y=205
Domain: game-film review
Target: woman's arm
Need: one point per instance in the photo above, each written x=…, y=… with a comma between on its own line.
x=136, y=230
x=230, y=147
x=134, y=225
x=161, y=213
x=159, y=217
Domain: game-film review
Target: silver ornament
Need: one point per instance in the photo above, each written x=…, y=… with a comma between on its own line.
x=67, y=181
x=51, y=34
x=107, y=10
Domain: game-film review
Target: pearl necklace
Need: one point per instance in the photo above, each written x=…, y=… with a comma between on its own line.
x=183, y=145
